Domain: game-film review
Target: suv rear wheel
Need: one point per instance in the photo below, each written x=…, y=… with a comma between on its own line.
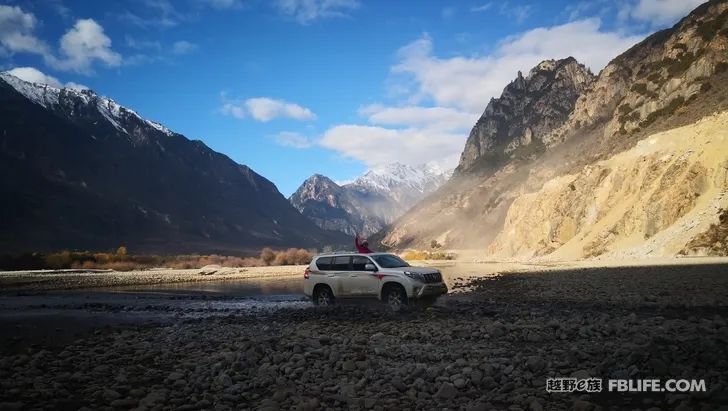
x=395, y=296
x=322, y=296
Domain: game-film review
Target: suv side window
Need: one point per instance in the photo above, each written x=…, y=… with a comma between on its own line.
x=324, y=263
x=341, y=263
x=358, y=262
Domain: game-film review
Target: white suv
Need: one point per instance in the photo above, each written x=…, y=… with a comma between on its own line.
x=379, y=275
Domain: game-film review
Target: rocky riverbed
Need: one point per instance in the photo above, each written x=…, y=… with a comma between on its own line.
x=490, y=348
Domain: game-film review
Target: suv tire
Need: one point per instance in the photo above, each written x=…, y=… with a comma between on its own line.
x=395, y=296
x=322, y=296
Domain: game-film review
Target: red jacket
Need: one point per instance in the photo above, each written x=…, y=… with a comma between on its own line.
x=361, y=248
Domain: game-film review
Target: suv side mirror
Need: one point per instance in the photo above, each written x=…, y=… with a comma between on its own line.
x=370, y=267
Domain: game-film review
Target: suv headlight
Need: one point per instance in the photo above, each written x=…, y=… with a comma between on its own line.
x=415, y=276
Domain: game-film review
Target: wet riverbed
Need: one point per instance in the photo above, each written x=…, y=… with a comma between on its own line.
x=56, y=317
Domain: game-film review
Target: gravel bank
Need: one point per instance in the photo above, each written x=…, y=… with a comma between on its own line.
x=490, y=348
x=41, y=281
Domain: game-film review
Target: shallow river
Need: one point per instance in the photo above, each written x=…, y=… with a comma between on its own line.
x=60, y=316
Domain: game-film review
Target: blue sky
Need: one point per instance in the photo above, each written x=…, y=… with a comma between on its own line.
x=296, y=87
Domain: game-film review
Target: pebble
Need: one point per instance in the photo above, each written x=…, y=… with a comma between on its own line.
x=462, y=354
x=446, y=391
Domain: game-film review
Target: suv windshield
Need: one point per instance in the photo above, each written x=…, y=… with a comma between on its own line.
x=389, y=261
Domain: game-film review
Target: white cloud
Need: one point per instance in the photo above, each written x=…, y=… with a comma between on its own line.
x=519, y=13
x=81, y=46
x=265, y=109
x=408, y=134
x=158, y=14
x=84, y=44
x=481, y=8
x=662, y=12
x=306, y=11
x=76, y=86
x=34, y=75
x=292, y=139
x=234, y=110
x=468, y=83
x=444, y=97
x=222, y=4
x=437, y=118
x=138, y=44
x=183, y=47
x=378, y=145
x=17, y=32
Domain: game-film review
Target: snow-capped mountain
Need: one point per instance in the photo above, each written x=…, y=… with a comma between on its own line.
x=76, y=103
x=401, y=180
x=371, y=201
x=80, y=171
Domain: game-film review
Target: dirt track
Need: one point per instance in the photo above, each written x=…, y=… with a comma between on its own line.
x=491, y=348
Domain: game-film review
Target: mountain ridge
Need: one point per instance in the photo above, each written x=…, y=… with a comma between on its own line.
x=371, y=201
x=672, y=78
x=82, y=172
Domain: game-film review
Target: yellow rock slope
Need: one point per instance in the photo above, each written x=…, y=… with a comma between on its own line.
x=648, y=201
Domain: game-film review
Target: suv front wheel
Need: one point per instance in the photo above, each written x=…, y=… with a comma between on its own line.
x=394, y=296
x=322, y=296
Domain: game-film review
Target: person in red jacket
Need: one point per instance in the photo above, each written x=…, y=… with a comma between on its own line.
x=362, y=245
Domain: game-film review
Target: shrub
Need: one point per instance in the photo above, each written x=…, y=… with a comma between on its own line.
x=267, y=255
x=415, y=255
x=59, y=260
x=708, y=29
x=425, y=255
x=303, y=256
x=665, y=111
x=119, y=260
x=655, y=77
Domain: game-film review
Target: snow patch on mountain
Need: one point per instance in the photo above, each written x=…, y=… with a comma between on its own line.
x=423, y=178
x=371, y=201
x=51, y=97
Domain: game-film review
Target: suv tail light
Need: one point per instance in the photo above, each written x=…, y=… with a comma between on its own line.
x=306, y=273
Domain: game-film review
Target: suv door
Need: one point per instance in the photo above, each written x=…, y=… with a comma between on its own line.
x=366, y=283
x=339, y=275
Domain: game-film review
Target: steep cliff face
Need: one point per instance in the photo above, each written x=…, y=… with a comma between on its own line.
x=370, y=202
x=649, y=200
x=529, y=108
x=673, y=78
x=653, y=79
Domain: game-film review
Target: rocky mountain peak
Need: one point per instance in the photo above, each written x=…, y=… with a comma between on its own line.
x=316, y=188
x=84, y=106
x=654, y=79
x=528, y=108
x=371, y=201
